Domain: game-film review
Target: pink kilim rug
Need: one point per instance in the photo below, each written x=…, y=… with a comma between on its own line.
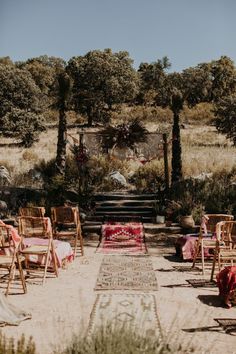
x=122, y=239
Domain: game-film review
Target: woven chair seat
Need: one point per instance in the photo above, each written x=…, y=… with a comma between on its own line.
x=5, y=260
x=36, y=249
x=228, y=254
x=209, y=243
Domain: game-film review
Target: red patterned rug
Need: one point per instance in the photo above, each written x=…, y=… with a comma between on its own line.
x=122, y=239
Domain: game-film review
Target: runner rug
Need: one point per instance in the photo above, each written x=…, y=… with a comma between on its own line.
x=126, y=272
x=134, y=312
x=122, y=239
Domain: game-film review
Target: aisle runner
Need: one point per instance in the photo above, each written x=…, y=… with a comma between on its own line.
x=122, y=239
x=126, y=272
x=135, y=312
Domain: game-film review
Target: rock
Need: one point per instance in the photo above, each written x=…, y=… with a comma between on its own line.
x=117, y=176
x=3, y=209
x=4, y=176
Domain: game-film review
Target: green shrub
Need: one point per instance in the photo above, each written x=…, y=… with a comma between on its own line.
x=211, y=194
x=99, y=168
x=149, y=178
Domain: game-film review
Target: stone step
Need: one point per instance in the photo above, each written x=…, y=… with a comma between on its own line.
x=128, y=209
x=124, y=212
x=121, y=218
x=162, y=228
x=123, y=196
x=126, y=202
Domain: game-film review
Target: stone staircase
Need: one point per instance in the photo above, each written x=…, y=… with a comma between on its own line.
x=124, y=207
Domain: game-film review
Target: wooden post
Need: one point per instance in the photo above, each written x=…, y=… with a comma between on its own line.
x=81, y=172
x=166, y=166
x=81, y=139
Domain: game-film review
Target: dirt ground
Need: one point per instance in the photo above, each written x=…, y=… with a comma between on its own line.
x=62, y=306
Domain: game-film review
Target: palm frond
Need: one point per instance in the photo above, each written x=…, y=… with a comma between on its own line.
x=124, y=135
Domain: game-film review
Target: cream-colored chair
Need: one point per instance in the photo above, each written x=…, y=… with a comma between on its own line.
x=10, y=258
x=66, y=225
x=38, y=254
x=207, y=236
x=225, y=245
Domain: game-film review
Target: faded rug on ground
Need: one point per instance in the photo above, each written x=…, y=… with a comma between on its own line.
x=135, y=312
x=126, y=272
x=120, y=238
x=9, y=314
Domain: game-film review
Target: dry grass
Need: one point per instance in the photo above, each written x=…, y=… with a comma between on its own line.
x=203, y=150
x=19, y=159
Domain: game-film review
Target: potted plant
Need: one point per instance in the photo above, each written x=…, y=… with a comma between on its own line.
x=160, y=212
x=185, y=212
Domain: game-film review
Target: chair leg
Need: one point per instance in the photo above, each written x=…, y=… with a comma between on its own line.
x=11, y=276
x=54, y=260
x=203, y=259
x=81, y=245
x=197, y=248
x=76, y=242
x=214, y=264
x=81, y=242
x=22, y=277
x=46, y=267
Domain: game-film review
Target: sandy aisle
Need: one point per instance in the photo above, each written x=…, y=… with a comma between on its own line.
x=63, y=306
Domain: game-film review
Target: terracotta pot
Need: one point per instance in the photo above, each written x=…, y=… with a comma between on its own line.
x=186, y=221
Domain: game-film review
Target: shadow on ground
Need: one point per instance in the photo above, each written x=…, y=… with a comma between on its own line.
x=211, y=300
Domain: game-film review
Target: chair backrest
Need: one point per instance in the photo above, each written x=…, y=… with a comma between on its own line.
x=7, y=239
x=227, y=232
x=32, y=211
x=30, y=226
x=5, y=236
x=65, y=215
x=212, y=220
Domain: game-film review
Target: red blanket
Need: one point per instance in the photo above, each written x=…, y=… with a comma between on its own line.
x=122, y=238
x=226, y=281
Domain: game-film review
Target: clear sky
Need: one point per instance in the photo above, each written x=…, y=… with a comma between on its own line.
x=189, y=32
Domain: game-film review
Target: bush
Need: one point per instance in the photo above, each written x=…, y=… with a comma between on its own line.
x=23, y=125
x=8, y=345
x=149, y=178
x=99, y=168
x=107, y=341
x=213, y=194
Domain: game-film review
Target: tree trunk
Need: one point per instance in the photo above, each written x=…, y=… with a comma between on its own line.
x=176, y=151
x=61, y=141
x=90, y=116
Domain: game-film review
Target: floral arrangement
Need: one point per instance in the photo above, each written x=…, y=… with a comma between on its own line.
x=124, y=135
x=81, y=154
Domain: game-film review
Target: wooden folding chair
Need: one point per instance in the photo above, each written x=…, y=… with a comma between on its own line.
x=66, y=225
x=32, y=211
x=207, y=235
x=9, y=255
x=225, y=248
x=38, y=255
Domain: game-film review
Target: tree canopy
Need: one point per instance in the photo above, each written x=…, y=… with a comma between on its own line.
x=44, y=71
x=101, y=80
x=21, y=101
x=225, y=111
